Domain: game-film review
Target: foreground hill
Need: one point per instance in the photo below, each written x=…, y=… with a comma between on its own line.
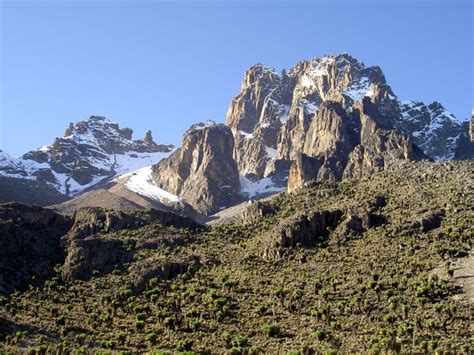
x=352, y=266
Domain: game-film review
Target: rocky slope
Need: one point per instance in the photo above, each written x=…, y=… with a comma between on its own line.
x=355, y=266
x=92, y=151
x=34, y=240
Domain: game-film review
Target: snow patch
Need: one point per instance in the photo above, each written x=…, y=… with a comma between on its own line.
x=309, y=107
x=66, y=184
x=359, y=89
x=246, y=134
x=271, y=152
x=306, y=81
x=262, y=186
x=202, y=125
x=319, y=71
x=142, y=183
x=284, y=115
x=129, y=162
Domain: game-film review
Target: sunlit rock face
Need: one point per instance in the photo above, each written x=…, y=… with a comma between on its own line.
x=202, y=171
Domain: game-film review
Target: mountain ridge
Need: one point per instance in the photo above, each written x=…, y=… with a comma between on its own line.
x=325, y=118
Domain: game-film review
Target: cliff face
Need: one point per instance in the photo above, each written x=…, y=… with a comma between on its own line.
x=202, y=171
x=341, y=146
x=255, y=117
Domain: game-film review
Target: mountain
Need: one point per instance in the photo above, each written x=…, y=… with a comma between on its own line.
x=274, y=114
x=91, y=152
x=434, y=129
x=330, y=118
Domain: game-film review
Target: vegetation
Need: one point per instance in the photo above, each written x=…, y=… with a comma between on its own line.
x=388, y=290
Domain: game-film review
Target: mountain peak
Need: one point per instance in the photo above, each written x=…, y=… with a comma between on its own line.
x=202, y=125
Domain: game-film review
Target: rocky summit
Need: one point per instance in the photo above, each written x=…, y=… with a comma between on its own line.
x=339, y=112
x=91, y=151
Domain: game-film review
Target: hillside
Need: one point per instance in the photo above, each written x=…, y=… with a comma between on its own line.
x=361, y=265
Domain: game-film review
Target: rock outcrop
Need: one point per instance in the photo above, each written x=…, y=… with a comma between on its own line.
x=340, y=145
x=30, y=245
x=313, y=227
x=465, y=141
x=92, y=220
x=202, y=171
x=145, y=270
x=255, y=117
x=303, y=230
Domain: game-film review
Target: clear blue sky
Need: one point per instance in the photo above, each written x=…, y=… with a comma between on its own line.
x=163, y=66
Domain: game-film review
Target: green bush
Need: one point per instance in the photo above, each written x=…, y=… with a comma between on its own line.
x=271, y=330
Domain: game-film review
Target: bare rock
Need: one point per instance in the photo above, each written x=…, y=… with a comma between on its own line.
x=203, y=171
x=303, y=230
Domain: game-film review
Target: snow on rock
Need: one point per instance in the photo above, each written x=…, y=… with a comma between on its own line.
x=271, y=152
x=202, y=125
x=68, y=186
x=19, y=168
x=246, y=135
x=92, y=151
x=435, y=129
x=358, y=89
x=129, y=162
x=141, y=182
x=284, y=113
x=308, y=106
x=263, y=186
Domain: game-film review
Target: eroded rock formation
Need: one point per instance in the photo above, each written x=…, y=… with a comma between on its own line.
x=202, y=171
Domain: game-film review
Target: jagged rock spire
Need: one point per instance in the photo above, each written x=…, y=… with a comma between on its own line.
x=148, y=137
x=69, y=130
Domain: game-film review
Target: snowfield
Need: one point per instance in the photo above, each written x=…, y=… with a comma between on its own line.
x=141, y=182
x=259, y=187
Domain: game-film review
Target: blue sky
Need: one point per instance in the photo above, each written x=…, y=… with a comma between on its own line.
x=164, y=66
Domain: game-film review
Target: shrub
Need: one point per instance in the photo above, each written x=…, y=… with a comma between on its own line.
x=319, y=334
x=271, y=329
x=139, y=324
x=169, y=322
x=152, y=337
x=61, y=320
x=184, y=344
